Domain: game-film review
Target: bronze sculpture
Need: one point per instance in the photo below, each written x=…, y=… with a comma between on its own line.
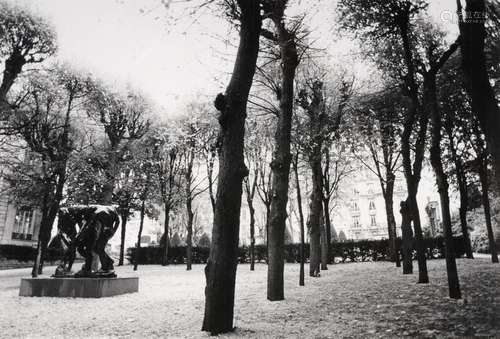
x=86, y=229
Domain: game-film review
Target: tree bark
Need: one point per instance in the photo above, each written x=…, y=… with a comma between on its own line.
x=189, y=238
x=13, y=67
x=268, y=216
x=328, y=228
x=407, y=238
x=412, y=173
x=462, y=188
x=252, y=238
x=483, y=177
x=478, y=86
x=41, y=235
x=124, y=216
x=139, y=235
x=164, y=259
x=190, y=154
x=324, y=243
x=111, y=174
x=391, y=222
x=49, y=213
x=210, y=174
x=301, y=218
x=280, y=165
x=250, y=193
x=463, y=213
x=315, y=211
x=430, y=91
x=220, y=271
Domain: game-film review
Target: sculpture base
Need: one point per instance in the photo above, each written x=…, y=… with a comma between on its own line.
x=77, y=287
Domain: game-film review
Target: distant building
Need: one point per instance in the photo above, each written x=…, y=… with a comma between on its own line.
x=19, y=225
x=361, y=212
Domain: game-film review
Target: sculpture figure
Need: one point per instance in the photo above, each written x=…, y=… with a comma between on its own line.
x=86, y=229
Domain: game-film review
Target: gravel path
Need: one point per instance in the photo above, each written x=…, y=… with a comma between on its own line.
x=366, y=300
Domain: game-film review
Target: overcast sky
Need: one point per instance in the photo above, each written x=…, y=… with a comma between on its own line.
x=136, y=42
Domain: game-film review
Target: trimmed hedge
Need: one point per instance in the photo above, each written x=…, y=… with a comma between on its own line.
x=348, y=251
x=27, y=253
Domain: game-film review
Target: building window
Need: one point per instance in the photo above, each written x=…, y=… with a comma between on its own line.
x=373, y=221
x=23, y=224
x=355, y=222
x=372, y=206
x=354, y=207
x=355, y=191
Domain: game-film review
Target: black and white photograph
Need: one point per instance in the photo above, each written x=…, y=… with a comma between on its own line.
x=249, y=169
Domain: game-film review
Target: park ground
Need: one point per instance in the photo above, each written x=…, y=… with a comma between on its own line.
x=360, y=300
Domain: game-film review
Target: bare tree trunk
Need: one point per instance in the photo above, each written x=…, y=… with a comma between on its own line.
x=423, y=277
x=48, y=216
x=315, y=211
x=407, y=238
x=124, y=216
x=139, y=235
x=189, y=238
x=111, y=174
x=13, y=67
x=463, y=215
x=250, y=194
x=42, y=234
x=328, y=228
x=391, y=224
x=220, y=271
x=324, y=243
x=483, y=101
x=483, y=177
x=280, y=166
x=442, y=184
x=252, y=238
x=412, y=171
x=210, y=172
x=164, y=259
x=301, y=217
x=268, y=213
x=462, y=187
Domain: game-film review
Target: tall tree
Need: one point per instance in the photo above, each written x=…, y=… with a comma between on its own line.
x=480, y=166
x=335, y=163
x=124, y=120
x=145, y=184
x=167, y=164
x=193, y=185
x=220, y=271
x=295, y=166
x=252, y=155
x=24, y=39
x=474, y=64
x=285, y=37
x=436, y=58
x=393, y=23
x=456, y=123
x=44, y=123
x=379, y=125
x=311, y=99
x=264, y=151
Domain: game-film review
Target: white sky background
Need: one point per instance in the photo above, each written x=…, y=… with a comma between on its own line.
x=134, y=42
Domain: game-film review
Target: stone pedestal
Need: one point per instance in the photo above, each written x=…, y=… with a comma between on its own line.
x=77, y=287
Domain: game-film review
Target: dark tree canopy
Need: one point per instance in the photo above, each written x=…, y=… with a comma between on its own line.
x=24, y=38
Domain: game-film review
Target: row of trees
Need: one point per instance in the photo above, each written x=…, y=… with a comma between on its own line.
x=98, y=145
x=411, y=54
